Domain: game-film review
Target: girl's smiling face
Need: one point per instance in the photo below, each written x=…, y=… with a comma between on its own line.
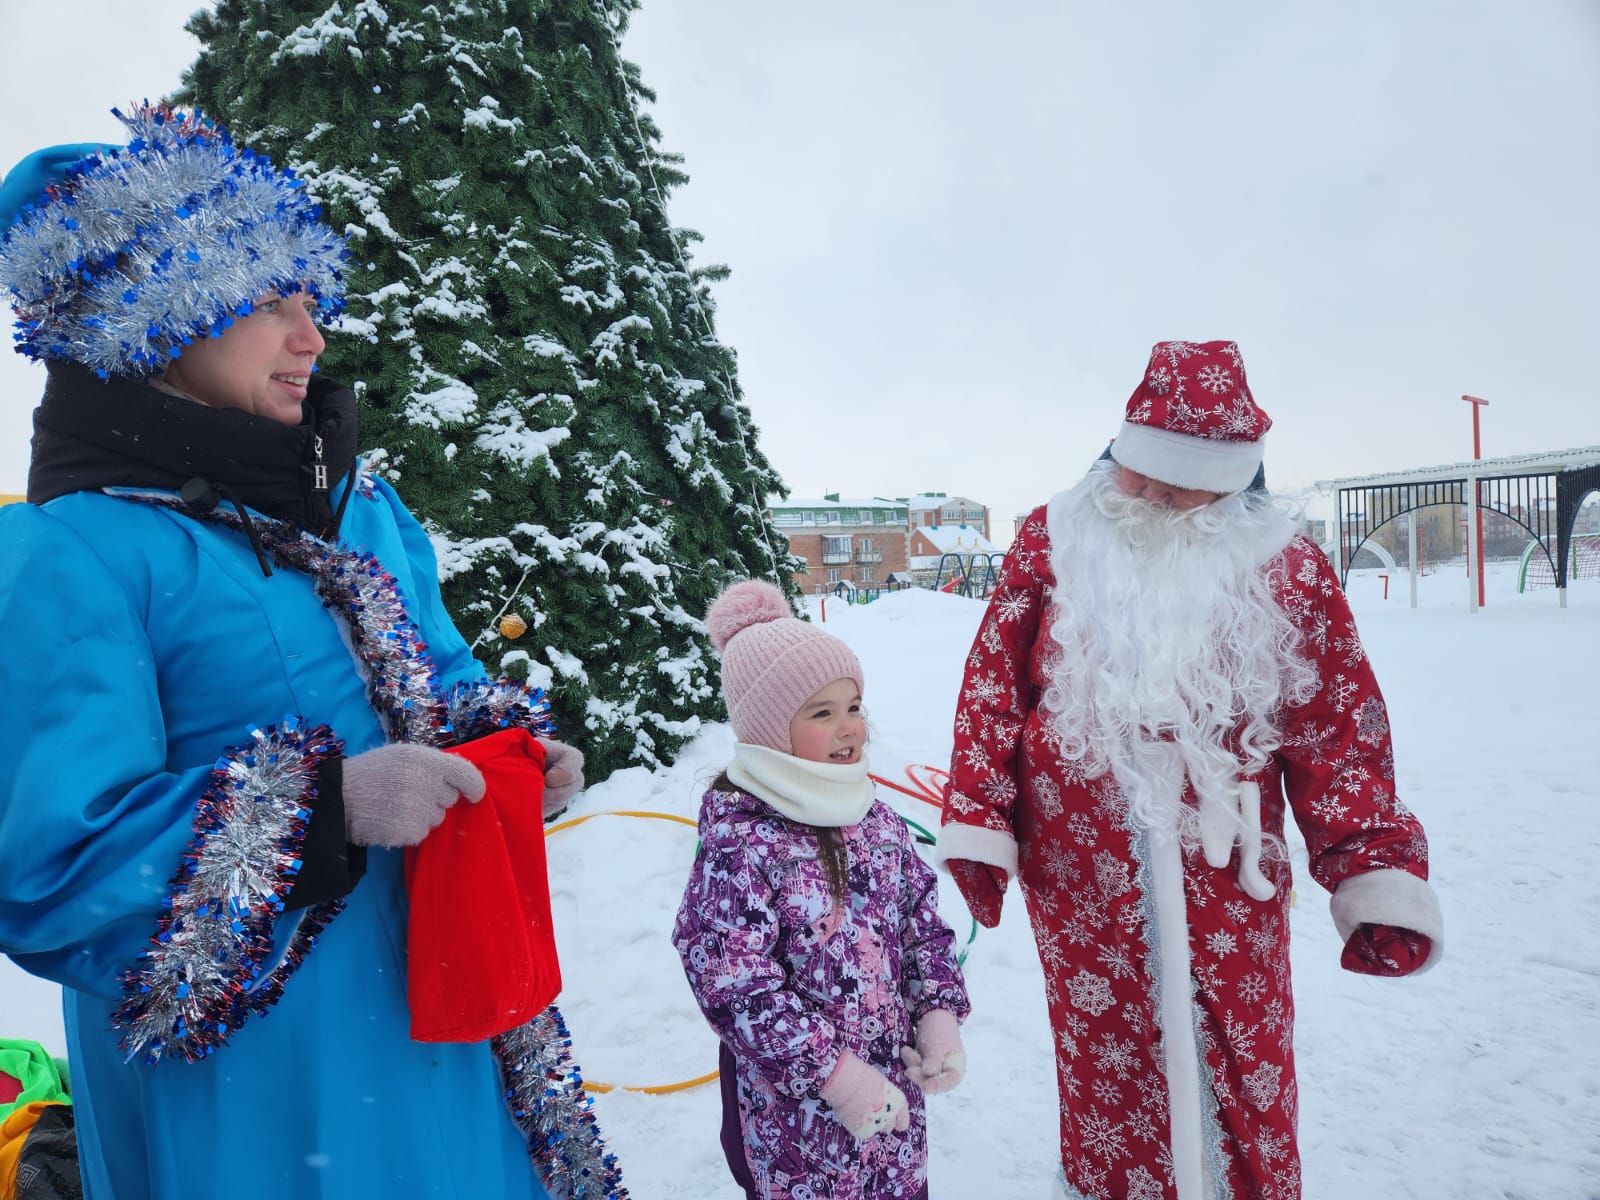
x=830, y=726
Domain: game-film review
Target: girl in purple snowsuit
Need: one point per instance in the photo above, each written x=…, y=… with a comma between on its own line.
x=809, y=929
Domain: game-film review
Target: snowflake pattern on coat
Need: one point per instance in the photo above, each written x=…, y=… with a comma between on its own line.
x=1198, y=389
x=788, y=980
x=1085, y=878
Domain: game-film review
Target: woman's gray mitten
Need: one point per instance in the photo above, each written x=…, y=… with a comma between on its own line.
x=394, y=795
x=563, y=775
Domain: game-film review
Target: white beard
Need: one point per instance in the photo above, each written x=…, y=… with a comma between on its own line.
x=1171, y=657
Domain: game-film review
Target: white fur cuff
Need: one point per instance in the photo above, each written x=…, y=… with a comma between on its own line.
x=977, y=844
x=1390, y=897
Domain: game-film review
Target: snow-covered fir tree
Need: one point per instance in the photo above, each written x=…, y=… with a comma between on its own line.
x=536, y=358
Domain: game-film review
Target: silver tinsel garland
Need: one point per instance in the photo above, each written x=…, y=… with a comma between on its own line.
x=545, y=1092
x=483, y=706
x=201, y=975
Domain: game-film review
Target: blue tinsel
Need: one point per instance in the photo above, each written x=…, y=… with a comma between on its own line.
x=135, y=253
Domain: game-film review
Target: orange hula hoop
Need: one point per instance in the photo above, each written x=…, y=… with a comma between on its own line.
x=927, y=784
x=649, y=1089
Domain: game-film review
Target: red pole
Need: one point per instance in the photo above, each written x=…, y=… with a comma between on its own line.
x=1477, y=453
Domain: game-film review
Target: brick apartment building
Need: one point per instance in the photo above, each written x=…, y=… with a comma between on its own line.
x=937, y=508
x=858, y=542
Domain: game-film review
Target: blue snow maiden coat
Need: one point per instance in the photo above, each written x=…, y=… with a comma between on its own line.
x=172, y=846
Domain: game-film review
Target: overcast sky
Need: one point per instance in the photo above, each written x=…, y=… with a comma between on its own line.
x=955, y=230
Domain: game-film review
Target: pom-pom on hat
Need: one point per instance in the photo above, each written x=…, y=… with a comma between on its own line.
x=118, y=257
x=1192, y=422
x=772, y=662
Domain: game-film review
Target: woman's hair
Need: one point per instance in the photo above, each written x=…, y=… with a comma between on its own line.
x=835, y=854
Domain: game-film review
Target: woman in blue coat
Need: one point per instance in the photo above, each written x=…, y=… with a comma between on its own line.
x=226, y=676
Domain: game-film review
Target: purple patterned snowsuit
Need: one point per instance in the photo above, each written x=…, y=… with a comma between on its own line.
x=788, y=981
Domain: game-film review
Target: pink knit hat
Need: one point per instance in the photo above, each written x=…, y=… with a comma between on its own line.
x=771, y=662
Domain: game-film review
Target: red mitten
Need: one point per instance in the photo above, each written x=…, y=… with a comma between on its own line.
x=982, y=886
x=1385, y=950
x=480, y=945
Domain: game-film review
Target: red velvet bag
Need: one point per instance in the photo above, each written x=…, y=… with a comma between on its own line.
x=480, y=946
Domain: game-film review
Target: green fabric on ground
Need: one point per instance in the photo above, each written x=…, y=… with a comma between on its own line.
x=38, y=1073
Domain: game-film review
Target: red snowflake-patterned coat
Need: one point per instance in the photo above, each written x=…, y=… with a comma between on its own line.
x=1110, y=905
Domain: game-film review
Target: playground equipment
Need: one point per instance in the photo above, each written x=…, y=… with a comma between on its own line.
x=974, y=576
x=1540, y=492
x=1583, y=562
x=862, y=593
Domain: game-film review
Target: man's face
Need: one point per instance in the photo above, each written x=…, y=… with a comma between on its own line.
x=1164, y=495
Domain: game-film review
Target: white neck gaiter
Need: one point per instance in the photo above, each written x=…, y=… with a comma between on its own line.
x=830, y=795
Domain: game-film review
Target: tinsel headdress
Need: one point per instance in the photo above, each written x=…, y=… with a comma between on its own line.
x=128, y=255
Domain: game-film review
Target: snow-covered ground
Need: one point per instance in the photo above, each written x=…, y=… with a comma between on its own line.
x=1478, y=1080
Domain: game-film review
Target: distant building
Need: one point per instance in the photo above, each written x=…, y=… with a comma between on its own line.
x=937, y=508
x=857, y=542
x=1441, y=535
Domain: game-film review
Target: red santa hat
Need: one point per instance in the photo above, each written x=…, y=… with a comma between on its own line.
x=1192, y=422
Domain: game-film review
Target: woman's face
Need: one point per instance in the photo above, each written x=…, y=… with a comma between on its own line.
x=261, y=363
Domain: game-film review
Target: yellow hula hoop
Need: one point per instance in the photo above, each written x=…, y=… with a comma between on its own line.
x=623, y=812
x=652, y=1089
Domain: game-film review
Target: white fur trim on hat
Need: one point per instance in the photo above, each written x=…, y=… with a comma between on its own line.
x=1208, y=464
x=1389, y=896
x=977, y=844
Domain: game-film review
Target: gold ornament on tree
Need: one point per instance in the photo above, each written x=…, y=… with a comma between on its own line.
x=512, y=627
